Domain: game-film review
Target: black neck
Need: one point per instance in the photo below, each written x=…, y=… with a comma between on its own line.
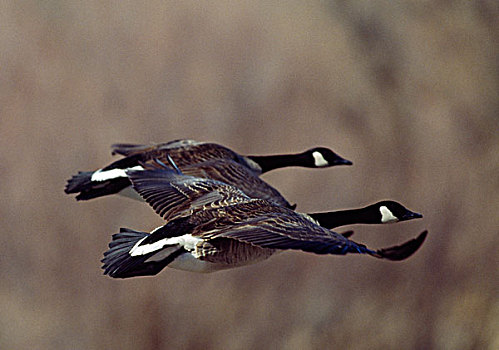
x=334, y=219
x=268, y=163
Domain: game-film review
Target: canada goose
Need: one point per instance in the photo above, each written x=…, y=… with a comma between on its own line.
x=383, y=212
x=112, y=178
x=213, y=226
x=189, y=151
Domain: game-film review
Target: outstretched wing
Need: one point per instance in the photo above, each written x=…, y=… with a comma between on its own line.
x=174, y=195
x=127, y=149
x=403, y=251
x=293, y=232
x=289, y=231
x=233, y=173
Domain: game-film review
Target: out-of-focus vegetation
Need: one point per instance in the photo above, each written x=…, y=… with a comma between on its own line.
x=407, y=90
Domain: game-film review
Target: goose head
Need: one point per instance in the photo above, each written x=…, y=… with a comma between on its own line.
x=321, y=157
x=390, y=211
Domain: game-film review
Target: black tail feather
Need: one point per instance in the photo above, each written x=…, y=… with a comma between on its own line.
x=117, y=259
x=118, y=263
x=79, y=182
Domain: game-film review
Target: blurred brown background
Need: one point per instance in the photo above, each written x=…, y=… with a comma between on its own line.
x=406, y=90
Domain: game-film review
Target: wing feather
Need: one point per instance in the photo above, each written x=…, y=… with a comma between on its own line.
x=174, y=195
x=293, y=232
x=233, y=173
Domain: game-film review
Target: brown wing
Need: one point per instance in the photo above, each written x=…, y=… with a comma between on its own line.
x=268, y=226
x=175, y=195
x=127, y=149
x=280, y=228
x=183, y=152
x=237, y=175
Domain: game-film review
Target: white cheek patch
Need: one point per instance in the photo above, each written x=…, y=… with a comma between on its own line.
x=386, y=215
x=319, y=160
x=100, y=175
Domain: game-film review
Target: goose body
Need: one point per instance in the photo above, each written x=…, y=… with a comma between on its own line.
x=212, y=225
x=190, y=154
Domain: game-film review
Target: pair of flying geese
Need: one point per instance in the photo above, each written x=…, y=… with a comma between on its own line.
x=219, y=213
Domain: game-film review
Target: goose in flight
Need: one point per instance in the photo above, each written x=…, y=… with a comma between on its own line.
x=212, y=226
x=196, y=158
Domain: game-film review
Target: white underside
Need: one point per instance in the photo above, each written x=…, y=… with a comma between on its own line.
x=163, y=254
x=188, y=262
x=100, y=175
